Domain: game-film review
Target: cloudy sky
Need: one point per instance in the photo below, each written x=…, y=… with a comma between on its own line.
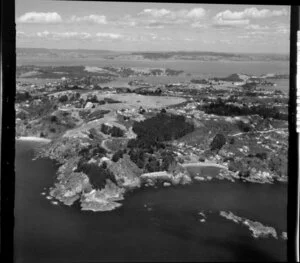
x=152, y=26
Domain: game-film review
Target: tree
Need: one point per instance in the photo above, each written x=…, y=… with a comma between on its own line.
x=117, y=155
x=166, y=161
x=116, y=132
x=63, y=98
x=152, y=165
x=163, y=110
x=218, y=142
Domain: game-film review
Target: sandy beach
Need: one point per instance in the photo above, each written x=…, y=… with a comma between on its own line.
x=204, y=164
x=33, y=139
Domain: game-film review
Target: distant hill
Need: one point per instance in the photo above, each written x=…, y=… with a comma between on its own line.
x=203, y=55
x=61, y=53
x=108, y=54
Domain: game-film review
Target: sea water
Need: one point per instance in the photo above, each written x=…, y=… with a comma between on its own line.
x=154, y=224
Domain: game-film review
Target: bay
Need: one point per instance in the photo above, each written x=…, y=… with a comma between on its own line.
x=154, y=224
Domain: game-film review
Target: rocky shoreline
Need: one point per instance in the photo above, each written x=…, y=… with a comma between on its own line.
x=258, y=230
x=78, y=154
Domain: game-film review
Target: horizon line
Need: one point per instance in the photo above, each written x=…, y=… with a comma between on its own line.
x=155, y=51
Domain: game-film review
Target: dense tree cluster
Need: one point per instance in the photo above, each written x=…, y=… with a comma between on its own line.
x=221, y=108
x=278, y=163
x=112, y=130
x=44, y=107
x=162, y=127
x=158, y=161
x=233, y=78
x=97, y=175
x=148, y=150
x=22, y=96
x=199, y=81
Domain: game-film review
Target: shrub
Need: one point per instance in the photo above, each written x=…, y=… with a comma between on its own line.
x=92, y=99
x=117, y=155
x=53, y=118
x=239, y=166
x=110, y=100
x=231, y=140
x=201, y=159
x=244, y=127
x=262, y=155
x=105, y=128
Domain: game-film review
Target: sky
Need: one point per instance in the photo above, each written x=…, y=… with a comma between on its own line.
x=131, y=26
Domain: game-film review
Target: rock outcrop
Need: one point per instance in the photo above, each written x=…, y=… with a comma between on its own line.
x=126, y=172
x=104, y=199
x=70, y=187
x=258, y=229
x=284, y=235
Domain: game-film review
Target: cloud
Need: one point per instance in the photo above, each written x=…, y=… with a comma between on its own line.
x=108, y=36
x=230, y=18
x=63, y=35
x=220, y=22
x=198, y=25
x=208, y=42
x=251, y=13
x=21, y=34
x=257, y=27
x=226, y=41
x=189, y=39
x=182, y=14
x=282, y=29
x=196, y=13
x=243, y=36
x=155, y=12
x=96, y=19
x=159, y=18
x=43, y=18
x=100, y=36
